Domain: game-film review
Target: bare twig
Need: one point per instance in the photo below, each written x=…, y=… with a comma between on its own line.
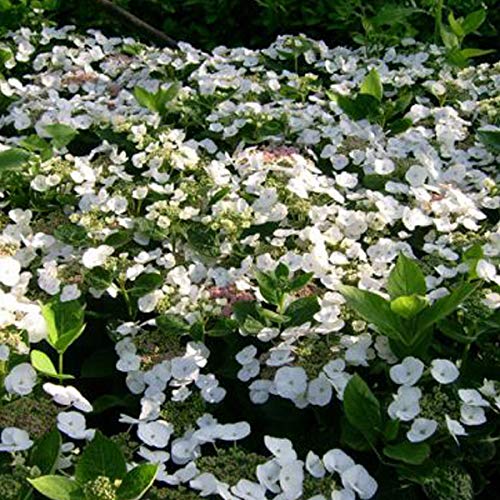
x=139, y=23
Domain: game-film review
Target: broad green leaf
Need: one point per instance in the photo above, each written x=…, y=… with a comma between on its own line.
x=391, y=429
x=145, y=98
x=58, y=488
x=12, y=158
x=399, y=126
x=172, y=323
x=65, y=323
x=406, y=278
x=99, y=278
x=267, y=287
x=252, y=326
x=490, y=138
x=146, y=283
x=410, y=453
x=42, y=363
x=60, y=134
x=137, y=482
x=271, y=315
x=299, y=282
x=408, y=306
x=46, y=451
x=473, y=21
x=372, y=85
x=170, y=93
x=471, y=257
x=302, y=310
x=222, y=327
x=469, y=53
x=444, y=306
x=118, y=239
x=282, y=271
x=351, y=437
x=450, y=40
x=101, y=457
x=362, y=408
x=374, y=309
x=455, y=26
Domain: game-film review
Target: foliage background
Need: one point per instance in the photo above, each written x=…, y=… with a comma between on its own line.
x=256, y=23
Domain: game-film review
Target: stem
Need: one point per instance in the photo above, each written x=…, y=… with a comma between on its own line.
x=438, y=20
x=117, y=11
x=61, y=371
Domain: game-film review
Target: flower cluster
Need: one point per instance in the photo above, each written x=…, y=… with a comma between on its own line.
x=243, y=238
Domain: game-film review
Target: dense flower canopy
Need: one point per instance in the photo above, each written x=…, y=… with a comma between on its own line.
x=209, y=209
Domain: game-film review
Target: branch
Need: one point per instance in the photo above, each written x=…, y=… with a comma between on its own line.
x=139, y=23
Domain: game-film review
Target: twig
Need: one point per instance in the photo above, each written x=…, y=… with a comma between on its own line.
x=139, y=23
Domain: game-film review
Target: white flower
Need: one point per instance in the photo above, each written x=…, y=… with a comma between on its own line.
x=421, y=429
x=337, y=460
x=343, y=494
x=290, y=381
x=234, y=432
x=246, y=355
x=454, y=428
x=268, y=475
x=67, y=396
x=383, y=166
x=319, y=391
x=408, y=372
x=128, y=362
x=485, y=270
x=14, y=439
x=472, y=415
x=314, y=465
x=21, y=379
x=94, y=257
x=214, y=394
x=248, y=490
x=70, y=292
x=358, y=479
x=184, y=368
x=282, y=449
x=406, y=404
x=416, y=175
x=444, y=371
x=4, y=352
x=10, y=270
x=249, y=370
x=73, y=424
x=472, y=397
x=291, y=479
x=206, y=483
x=156, y=433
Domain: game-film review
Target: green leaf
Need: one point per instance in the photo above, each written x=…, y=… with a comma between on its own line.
x=299, y=282
x=65, y=323
x=46, y=451
x=362, y=408
x=101, y=457
x=471, y=257
x=60, y=134
x=455, y=26
x=372, y=85
x=252, y=326
x=146, y=283
x=351, y=437
x=406, y=278
x=374, y=309
x=13, y=158
x=222, y=327
x=219, y=195
x=363, y=106
x=58, y=488
x=271, y=315
x=137, y=482
x=490, y=138
x=469, y=53
x=267, y=287
x=399, y=126
x=118, y=239
x=473, y=21
x=172, y=323
x=450, y=40
x=410, y=453
x=282, y=271
x=445, y=306
x=391, y=430
x=408, y=306
x=302, y=310
x=99, y=278
x=42, y=363
x=145, y=98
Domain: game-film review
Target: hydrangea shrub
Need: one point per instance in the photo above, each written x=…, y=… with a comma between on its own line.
x=248, y=274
